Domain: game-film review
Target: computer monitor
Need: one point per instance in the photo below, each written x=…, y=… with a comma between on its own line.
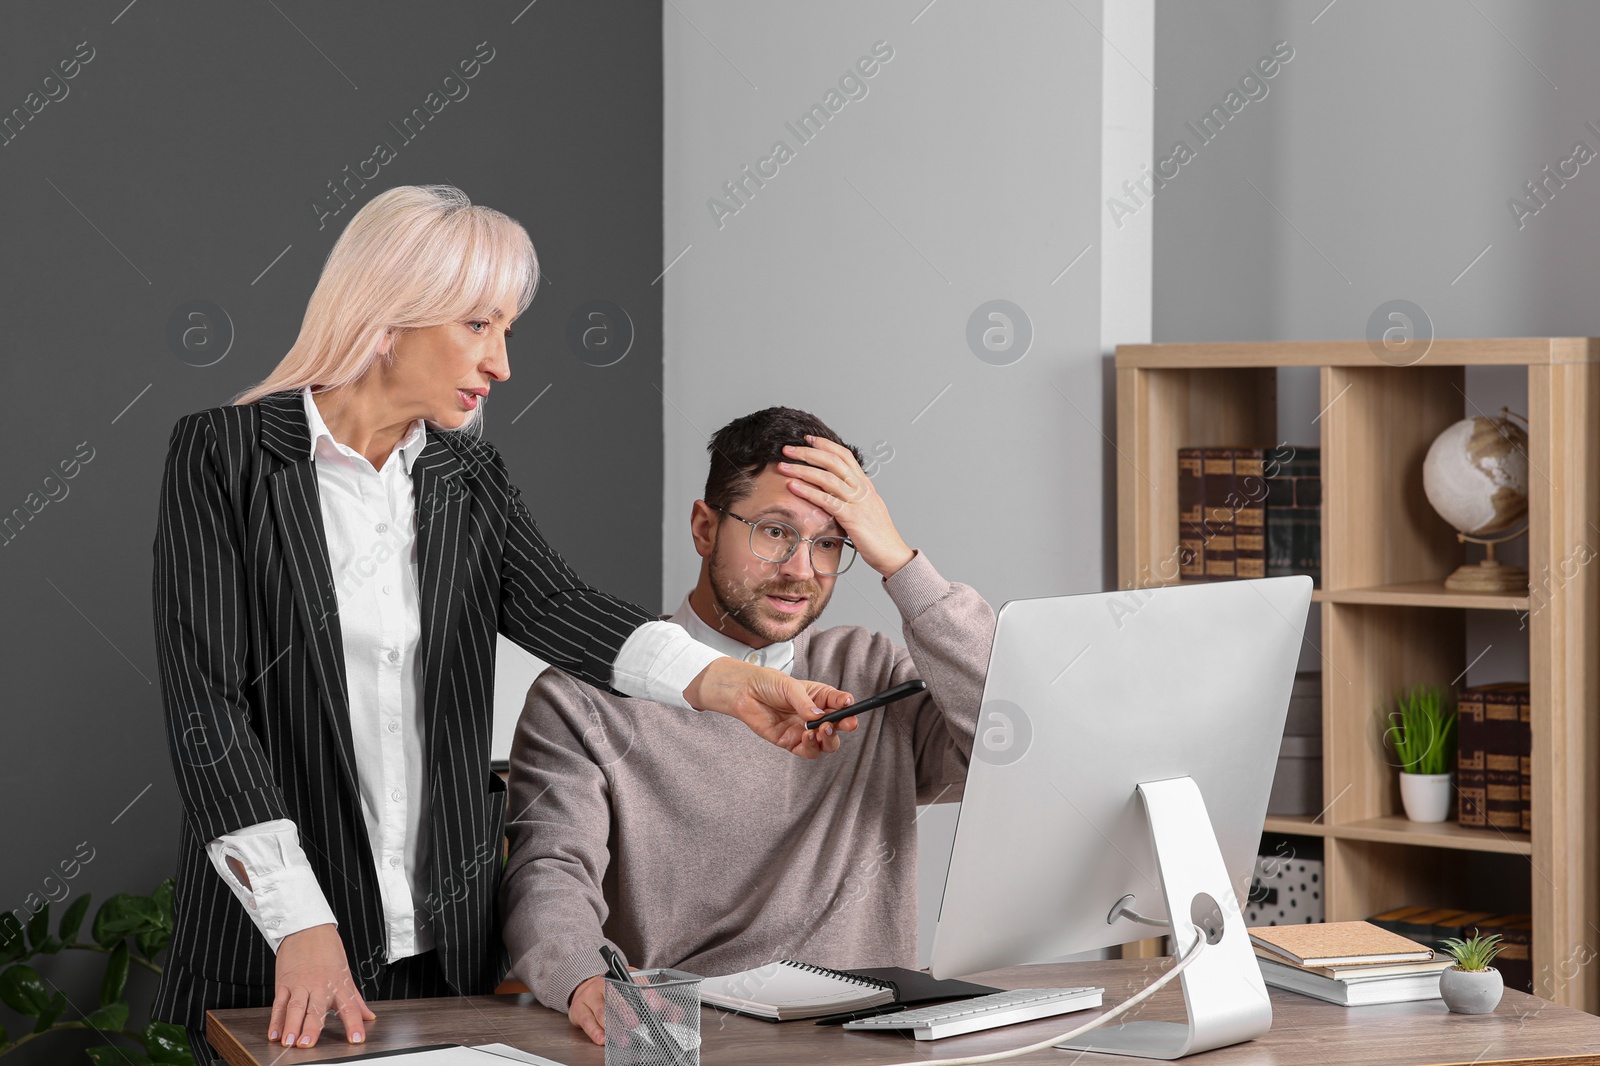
x=1124, y=753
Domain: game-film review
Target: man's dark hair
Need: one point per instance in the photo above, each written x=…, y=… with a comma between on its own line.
x=740, y=449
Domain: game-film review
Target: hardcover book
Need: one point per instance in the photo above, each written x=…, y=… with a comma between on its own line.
x=1191, y=515
x=1219, y=524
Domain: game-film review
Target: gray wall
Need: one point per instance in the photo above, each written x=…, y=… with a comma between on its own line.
x=1388, y=148
x=181, y=162
x=968, y=172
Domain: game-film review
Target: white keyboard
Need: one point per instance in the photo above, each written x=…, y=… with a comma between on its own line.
x=982, y=1012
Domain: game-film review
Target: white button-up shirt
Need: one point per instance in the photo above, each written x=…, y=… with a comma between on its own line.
x=368, y=516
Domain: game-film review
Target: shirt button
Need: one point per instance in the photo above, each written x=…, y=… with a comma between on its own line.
x=382, y=527
x=753, y=657
x=394, y=656
x=388, y=589
x=394, y=725
x=394, y=861
x=397, y=795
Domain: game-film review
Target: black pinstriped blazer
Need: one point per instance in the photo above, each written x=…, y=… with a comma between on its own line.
x=252, y=678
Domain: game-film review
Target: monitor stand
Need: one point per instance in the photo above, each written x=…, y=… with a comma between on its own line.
x=1222, y=988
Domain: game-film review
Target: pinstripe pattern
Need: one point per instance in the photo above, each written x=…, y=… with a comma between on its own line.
x=252, y=679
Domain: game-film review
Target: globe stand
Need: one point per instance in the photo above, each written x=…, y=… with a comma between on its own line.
x=1489, y=575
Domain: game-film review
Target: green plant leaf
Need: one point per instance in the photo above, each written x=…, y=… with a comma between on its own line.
x=168, y=1044
x=124, y=915
x=72, y=920
x=109, y=1018
x=112, y=1055
x=52, y=1011
x=22, y=989
x=39, y=927
x=12, y=945
x=116, y=975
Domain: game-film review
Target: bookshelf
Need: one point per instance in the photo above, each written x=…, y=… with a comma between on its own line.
x=1387, y=619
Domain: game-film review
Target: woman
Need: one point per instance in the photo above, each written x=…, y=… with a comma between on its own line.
x=332, y=563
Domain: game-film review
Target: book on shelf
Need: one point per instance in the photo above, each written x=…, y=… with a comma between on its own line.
x=1249, y=512
x=1525, y=713
x=1249, y=503
x=1338, y=944
x=1352, y=991
x=1217, y=489
x=1494, y=756
x=1294, y=512
x=1191, y=515
x=1472, y=808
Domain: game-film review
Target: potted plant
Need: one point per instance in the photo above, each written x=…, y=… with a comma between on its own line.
x=1422, y=731
x=1472, y=986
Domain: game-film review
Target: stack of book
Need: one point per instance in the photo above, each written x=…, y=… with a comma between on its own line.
x=1350, y=963
x=1433, y=925
x=1494, y=753
x=1249, y=512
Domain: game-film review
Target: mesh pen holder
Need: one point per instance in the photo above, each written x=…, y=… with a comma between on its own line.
x=653, y=1021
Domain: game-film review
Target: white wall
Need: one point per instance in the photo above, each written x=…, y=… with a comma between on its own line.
x=968, y=172
x=1384, y=160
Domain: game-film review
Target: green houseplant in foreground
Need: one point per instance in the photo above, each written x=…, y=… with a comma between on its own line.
x=130, y=931
x=1422, y=731
x=1472, y=986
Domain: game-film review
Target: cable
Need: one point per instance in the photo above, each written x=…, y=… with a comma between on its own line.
x=1138, y=997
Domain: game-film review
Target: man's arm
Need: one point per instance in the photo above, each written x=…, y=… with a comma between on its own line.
x=948, y=627
x=559, y=833
x=949, y=630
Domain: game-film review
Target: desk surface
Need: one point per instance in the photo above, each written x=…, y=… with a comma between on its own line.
x=1523, y=1029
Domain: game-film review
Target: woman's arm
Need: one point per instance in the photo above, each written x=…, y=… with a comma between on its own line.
x=224, y=778
x=547, y=609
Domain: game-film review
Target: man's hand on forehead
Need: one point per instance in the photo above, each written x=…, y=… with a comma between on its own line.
x=825, y=474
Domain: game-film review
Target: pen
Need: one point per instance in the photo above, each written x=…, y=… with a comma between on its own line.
x=618, y=971
x=872, y=703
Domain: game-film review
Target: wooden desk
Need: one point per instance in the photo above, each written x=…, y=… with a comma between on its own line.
x=1524, y=1030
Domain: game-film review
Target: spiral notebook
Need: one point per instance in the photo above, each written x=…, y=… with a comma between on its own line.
x=788, y=990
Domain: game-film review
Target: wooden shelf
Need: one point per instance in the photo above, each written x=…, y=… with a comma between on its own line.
x=1295, y=825
x=1398, y=829
x=1504, y=351
x=1388, y=622
x=1423, y=594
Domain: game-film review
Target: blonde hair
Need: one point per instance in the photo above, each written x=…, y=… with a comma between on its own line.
x=415, y=256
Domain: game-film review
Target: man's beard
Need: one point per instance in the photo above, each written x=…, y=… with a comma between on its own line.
x=744, y=600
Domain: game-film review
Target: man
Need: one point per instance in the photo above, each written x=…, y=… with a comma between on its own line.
x=673, y=836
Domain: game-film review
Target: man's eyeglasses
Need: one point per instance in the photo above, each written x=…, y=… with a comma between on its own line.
x=774, y=542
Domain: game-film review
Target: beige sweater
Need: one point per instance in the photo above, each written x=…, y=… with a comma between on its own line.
x=683, y=839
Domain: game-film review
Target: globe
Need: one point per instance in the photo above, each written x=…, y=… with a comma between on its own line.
x=1476, y=475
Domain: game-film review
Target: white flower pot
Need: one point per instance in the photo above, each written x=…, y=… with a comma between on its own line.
x=1426, y=797
x=1471, y=991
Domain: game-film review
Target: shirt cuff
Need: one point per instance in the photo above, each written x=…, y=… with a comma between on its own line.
x=284, y=896
x=658, y=661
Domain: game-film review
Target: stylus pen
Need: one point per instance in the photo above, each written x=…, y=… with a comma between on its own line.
x=872, y=703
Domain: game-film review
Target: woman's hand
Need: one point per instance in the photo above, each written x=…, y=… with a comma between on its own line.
x=773, y=704
x=313, y=978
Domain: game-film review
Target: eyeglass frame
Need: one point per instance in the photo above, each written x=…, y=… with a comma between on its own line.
x=810, y=541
